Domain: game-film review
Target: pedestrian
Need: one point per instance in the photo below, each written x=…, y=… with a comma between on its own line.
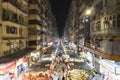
x=51, y=78
x=63, y=69
x=91, y=76
x=63, y=78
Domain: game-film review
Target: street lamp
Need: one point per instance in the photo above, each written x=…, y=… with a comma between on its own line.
x=88, y=12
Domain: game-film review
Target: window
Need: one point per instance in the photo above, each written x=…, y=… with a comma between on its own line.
x=98, y=26
x=15, y=17
x=22, y=20
x=15, y=30
x=97, y=42
x=118, y=20
x=110, y=18
x=12, y=30
x=9, y=44
x=21, y=43
x=101, y=5
x=118, y=16
x=7, y=29
x=114, y=24
x=105, y=3
x=118, y=2
x=118, y=23
x=114, y=17
x=20, y=31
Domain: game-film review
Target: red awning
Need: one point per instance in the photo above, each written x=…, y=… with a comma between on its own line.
x=4, y=68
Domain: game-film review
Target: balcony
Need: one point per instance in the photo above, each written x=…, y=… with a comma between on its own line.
x=109, y=31
x=34, y=11
x=36, y=22
x=14, y=38
x=34, y=32
x=35, y=42
x=10, y=16
x=22, y=8
x=34, y=2
x=41, y=24
x=26, y=2
x=15, y=4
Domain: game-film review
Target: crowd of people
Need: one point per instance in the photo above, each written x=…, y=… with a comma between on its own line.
x=60, y=65
x=59, y=69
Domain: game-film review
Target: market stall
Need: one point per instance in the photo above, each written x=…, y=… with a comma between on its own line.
x=36, y=76
x=77, y=74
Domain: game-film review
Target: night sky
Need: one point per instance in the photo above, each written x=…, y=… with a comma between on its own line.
x=60, y=10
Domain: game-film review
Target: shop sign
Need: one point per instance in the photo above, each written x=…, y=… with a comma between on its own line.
x=117, y=70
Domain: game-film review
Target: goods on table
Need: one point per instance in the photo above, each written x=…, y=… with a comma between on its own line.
x=35, y=76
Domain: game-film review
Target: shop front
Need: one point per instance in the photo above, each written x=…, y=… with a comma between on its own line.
x=77, y=74
x=36, y=76
x=35, y=55
x=110, y=70
x=7, y=71
x=89, y=57
x=96, y=63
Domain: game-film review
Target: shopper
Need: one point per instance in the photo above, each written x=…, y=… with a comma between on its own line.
x=63, y=78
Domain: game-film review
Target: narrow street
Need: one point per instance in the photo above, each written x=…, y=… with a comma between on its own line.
x=60, y=40
x=62, y=65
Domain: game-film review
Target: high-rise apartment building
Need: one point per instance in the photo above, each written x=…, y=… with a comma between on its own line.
x=40, y=22
x=35, y=25
x=24, y=26
x=69, y=30
x=14, y=26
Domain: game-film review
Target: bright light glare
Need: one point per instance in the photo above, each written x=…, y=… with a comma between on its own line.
x=88, y=12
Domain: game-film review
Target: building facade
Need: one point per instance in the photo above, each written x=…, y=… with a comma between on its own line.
x=35, y=27
x=14, y=26
x=97, y=33
x=24, y=26
x=40, y=23
x=100, y=29
x=69, y=30
x=105, y=26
